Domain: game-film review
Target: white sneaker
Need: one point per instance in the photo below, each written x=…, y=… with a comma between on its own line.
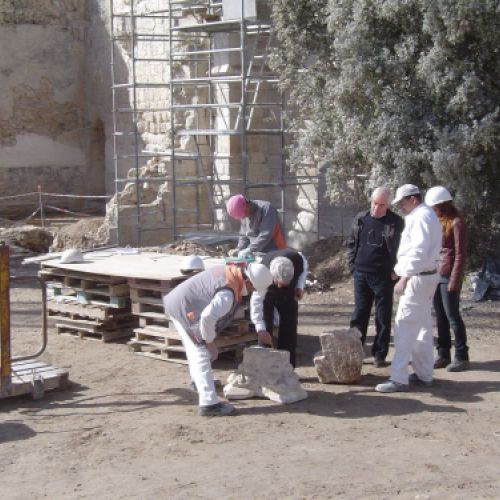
x=391, y=386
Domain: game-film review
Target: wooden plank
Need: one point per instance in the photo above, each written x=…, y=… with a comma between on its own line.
x=88, y=310
x=162, y=357
x=22, y=377
x=235, y=340
x=94, y=326
x=157, y=285
x=147, y=321
x=68, y=274
x=140, y=308
x=114, y=302
x=159, y=316
x=88, y=334
x=145, y=297
x=236, y=327
x=119, y=290
x=160, y=334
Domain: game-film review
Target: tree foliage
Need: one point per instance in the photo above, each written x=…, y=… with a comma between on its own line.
x=396, y=91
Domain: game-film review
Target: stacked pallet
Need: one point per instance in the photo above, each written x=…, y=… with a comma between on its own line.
x=154, y=337
x=87, y=305
x=157, y=338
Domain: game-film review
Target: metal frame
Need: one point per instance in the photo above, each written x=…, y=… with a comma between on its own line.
x=202, y=51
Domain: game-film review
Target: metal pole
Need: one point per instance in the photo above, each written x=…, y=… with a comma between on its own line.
x=115, y=125
x=5, y=360
x=40, y=201
x=134, y=122
x=244, y=142
x=172, y=121
x=43, y=345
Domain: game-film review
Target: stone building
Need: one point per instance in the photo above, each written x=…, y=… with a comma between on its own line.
x=144, y=101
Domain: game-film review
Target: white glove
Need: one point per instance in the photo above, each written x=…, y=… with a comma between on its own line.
x=246, y=252
x=233, y=252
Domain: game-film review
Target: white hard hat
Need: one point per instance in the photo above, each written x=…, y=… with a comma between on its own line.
x=437, y=195
x=404, y=191
x=282, y=269
x=260, y=276
x=192, y=263
x=71, y=256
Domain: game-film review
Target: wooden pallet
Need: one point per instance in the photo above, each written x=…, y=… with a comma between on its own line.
x=60, y=283
x=35, y=377
x=60, y=275
x=80, y=325
x=71, y=307
x=166, y=345
x=155, y=285
x=92, y=334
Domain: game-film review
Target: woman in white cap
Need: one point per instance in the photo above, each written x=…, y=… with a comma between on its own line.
x=450, y=270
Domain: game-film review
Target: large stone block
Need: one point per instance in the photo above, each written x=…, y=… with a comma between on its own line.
x=265, y=373
x=341, y=357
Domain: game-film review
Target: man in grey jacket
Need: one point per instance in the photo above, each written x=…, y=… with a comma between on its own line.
x=260, y=229
x=202, y=306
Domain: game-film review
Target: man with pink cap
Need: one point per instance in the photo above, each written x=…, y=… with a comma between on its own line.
x=260, y=229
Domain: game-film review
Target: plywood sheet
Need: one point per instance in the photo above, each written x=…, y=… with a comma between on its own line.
x=147, y=265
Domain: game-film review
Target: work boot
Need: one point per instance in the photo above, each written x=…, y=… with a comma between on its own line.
x=416, y=380
x=441, y=362
x=391, y=386
x=216, y=410
x=458, y=366
x=379, y=362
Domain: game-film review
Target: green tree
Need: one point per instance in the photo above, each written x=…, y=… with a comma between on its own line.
x=397, y=91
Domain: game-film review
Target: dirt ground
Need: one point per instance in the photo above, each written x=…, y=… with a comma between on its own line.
x=127, y=426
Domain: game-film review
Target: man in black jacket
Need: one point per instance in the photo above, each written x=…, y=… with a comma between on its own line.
x=372, y=248
x=288, y=270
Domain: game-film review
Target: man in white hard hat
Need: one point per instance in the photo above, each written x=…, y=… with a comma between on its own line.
x=202, y=306
x=418, y=257
x=289, y=270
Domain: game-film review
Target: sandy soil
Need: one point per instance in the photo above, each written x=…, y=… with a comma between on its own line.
x=127, y=426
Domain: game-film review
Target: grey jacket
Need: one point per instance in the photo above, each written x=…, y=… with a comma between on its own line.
x=262, y=230
x=186, y=301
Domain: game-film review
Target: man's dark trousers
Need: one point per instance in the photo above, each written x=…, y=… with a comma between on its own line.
x=288, y=308
x=370, y=287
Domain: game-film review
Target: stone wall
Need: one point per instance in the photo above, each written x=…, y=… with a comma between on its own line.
x=56, y=123
x=45, y=138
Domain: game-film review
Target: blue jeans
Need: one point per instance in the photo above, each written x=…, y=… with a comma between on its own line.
x=447, y=307
x=370, y=287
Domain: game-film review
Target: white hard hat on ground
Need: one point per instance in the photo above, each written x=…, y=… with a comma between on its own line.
x=260, y=276
x=71, y=256
x=191, y=264
x=282, y=269
x=437, y=195
x=404, y=191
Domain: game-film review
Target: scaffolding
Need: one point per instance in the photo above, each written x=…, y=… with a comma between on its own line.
x=199, y=100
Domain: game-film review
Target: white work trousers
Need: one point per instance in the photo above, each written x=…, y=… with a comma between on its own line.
x=200, y=367
x=413, y=330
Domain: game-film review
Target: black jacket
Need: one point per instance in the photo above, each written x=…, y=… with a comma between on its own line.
x=392, y=234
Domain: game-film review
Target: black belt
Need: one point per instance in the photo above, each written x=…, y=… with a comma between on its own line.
x=427, y=273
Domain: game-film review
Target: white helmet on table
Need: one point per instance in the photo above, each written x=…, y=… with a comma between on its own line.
x=191, y=264
x=260, y=276
x=71, y=256
x=437, y=195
